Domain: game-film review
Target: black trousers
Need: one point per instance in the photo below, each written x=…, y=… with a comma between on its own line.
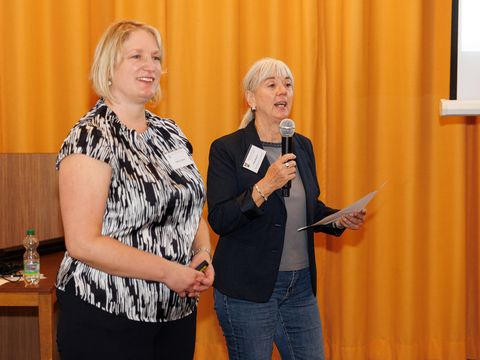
x=85, y=332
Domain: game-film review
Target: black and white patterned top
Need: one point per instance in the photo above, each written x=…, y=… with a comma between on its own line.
x=150, y=206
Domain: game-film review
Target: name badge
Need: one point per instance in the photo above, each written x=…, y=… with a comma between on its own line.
x=254, y=158
x=178, y=159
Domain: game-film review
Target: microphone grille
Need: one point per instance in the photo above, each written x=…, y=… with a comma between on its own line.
x=287, y=127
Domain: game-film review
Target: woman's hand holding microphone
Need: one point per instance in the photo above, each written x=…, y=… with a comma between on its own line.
x=278, y=174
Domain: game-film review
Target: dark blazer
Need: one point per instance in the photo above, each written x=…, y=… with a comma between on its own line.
x=249, y=250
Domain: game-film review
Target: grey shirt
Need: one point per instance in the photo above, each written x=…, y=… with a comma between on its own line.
x=295, y=254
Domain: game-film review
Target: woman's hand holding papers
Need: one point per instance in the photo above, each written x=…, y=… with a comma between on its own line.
x=353, y=221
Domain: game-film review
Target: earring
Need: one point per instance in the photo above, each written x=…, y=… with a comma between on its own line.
x=253, y=109
x=109, y=82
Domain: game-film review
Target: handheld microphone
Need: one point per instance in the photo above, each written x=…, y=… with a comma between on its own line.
x=287, y=129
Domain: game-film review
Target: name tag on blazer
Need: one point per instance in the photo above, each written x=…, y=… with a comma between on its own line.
x=254, y=158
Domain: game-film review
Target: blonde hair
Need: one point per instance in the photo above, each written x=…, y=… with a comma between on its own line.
x=108, y=55
x=259, y=71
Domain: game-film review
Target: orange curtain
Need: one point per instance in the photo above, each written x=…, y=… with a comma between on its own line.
x=369, y=76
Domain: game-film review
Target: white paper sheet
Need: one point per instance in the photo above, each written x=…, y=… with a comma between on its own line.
x=356, y=206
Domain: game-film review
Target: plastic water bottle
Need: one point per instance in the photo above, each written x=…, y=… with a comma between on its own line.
x=31, y=260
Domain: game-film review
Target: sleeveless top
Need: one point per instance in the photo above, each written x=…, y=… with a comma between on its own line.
x=151, y=206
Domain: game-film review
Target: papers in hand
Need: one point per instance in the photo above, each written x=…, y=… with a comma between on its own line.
x=356, y=206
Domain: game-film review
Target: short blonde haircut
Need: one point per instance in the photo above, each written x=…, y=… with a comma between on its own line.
x=108, y=54
x=259, y=71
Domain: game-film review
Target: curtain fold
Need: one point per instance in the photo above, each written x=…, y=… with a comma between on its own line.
x=369, y=75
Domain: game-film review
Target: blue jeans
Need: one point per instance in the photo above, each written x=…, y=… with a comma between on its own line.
x=290, y=318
